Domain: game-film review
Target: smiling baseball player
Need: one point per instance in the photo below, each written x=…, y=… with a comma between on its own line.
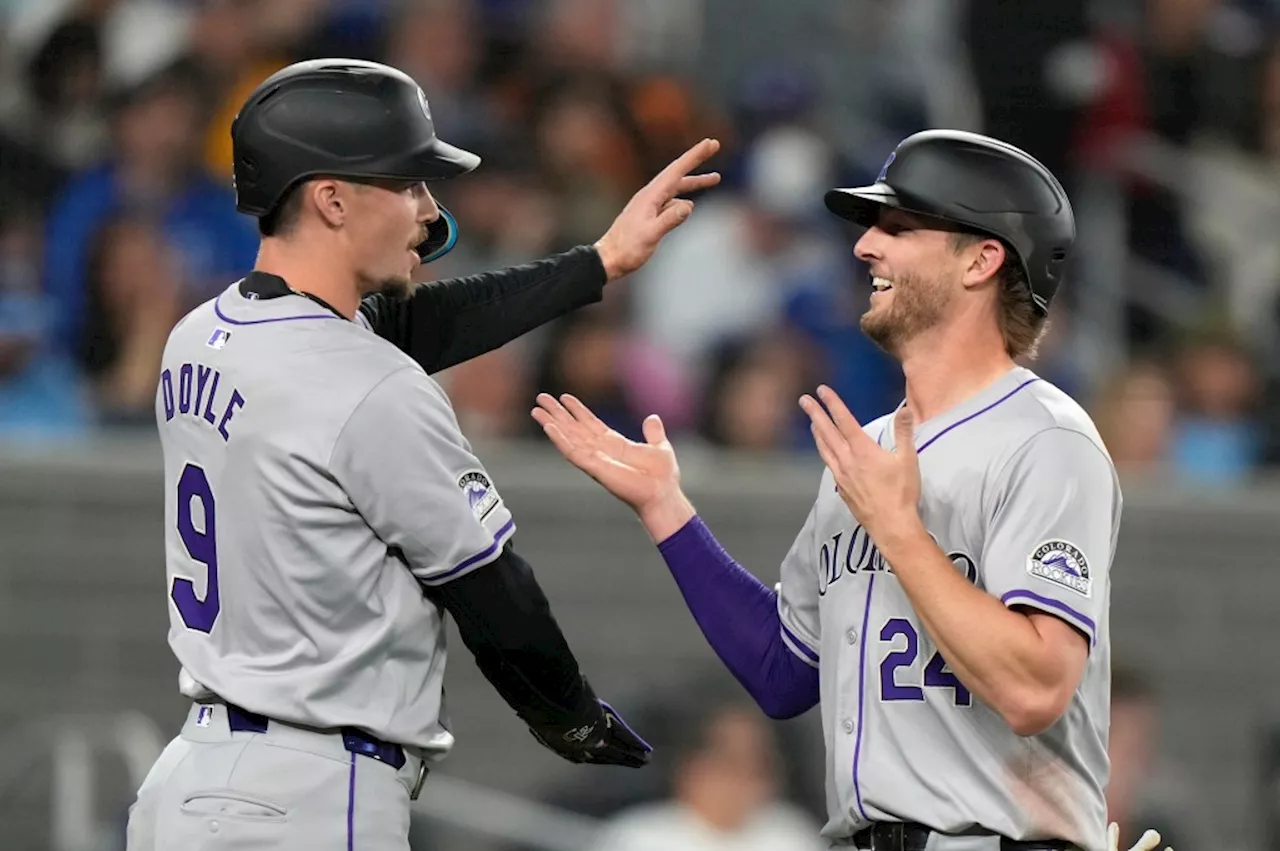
x=323, y=510
x=946, y=600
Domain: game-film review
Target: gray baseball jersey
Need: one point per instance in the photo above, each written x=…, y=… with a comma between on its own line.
x=314, y=476
x=1020, y=492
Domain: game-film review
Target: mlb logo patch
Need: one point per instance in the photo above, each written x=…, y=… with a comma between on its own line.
x=204, y=716
x=219, y=338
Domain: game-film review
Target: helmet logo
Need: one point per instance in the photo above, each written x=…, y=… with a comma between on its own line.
x=422, y=101
x=885, y=168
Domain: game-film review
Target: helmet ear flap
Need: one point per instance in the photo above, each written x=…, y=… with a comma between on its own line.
x=442, y=236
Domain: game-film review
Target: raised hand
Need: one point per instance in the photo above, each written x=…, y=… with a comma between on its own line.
x=881, y=488
x=655, y=211
x=643, y=475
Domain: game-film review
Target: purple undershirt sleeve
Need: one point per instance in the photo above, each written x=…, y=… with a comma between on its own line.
x=738, y=614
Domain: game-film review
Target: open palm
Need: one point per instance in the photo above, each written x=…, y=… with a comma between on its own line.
x=639, y=474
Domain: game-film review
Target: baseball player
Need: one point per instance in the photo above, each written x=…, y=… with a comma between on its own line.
x=322, y=509
x=946, y=600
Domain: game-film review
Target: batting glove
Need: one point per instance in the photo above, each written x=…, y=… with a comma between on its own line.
x=1149, y=841
x=605, y=741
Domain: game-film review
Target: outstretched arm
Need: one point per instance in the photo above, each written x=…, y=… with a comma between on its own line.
x=412, y=477
x=737, y=613
x=448, y=322
x=506, y=622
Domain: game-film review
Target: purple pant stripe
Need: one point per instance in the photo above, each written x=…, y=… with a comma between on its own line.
x=351, y=806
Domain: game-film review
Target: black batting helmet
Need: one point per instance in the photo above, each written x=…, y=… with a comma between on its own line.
x=340, y=118
x=981, y=183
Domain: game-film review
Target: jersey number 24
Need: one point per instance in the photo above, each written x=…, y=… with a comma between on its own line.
x=202, y=547
x=936, y=674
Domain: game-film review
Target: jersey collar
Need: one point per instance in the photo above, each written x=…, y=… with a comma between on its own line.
x=992, y=396
x=263, y=285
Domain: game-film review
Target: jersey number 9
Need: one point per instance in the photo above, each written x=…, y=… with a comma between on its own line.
x=202, y=546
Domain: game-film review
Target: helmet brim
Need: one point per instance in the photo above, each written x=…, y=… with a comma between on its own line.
x=438, y=160
x=862, y=204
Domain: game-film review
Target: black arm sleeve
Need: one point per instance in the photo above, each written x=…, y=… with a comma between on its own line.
x=448, y=322
x=506, y=623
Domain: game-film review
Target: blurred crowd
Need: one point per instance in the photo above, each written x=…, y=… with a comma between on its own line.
x=1161, y=116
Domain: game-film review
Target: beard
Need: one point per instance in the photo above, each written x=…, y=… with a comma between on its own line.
x=917, y=305
x=396, y=288
x=391, y=286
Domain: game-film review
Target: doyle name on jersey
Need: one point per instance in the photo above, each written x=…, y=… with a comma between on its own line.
x=199, y=379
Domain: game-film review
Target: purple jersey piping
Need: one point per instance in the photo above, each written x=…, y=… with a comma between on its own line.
x=975, y=414
x=217, y=309
x=862, y=677
x=480, y=556
x=1022, y=595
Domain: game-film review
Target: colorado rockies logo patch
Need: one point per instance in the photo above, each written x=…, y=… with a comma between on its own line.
x=481, y=496
x=1063, y=563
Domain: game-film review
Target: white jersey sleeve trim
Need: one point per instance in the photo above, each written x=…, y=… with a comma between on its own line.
x=485, y=556
x=798, y=647
x=791, y=634
x=1048, y=605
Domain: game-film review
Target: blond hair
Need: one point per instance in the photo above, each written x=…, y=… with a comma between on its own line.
x=1022, y=325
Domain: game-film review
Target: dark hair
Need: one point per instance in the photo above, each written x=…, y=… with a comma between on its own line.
x=76, y=40
x=180, y=78
x=697, y=719
x=101, y=340
x=1021, y=324
x=284, y=216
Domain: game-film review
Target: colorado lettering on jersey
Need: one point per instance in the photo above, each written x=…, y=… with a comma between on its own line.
x=860, y=555
x=197, y=396
x=846, y=553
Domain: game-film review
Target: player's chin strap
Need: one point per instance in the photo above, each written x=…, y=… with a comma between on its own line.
x=442, y=236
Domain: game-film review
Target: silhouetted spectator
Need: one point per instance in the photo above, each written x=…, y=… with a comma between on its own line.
x=1216, y=438
x=723, y=794
x=153, y=171
x=134, y=300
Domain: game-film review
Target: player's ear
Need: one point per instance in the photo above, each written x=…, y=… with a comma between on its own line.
x=984, y=260
x=329, y=199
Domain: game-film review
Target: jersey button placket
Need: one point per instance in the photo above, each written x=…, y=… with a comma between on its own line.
x=852, y=635
x=847, y=726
